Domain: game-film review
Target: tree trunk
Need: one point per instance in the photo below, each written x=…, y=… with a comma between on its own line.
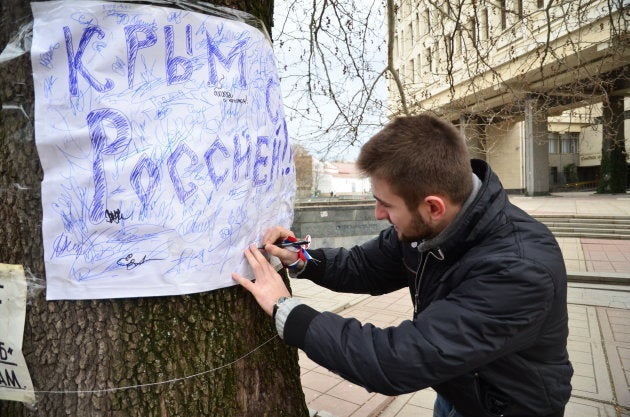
x=614, y=165
x=207, y=354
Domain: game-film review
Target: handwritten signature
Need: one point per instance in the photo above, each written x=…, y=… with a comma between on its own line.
x=114, y=216
x=130, y=262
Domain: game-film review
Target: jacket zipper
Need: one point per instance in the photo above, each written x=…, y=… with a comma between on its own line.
x=420, y=273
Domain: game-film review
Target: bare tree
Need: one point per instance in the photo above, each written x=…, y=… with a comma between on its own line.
x=614, y=165
x=481, y=63
x=333, y=69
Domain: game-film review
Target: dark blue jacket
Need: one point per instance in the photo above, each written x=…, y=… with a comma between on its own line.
x=491, y=326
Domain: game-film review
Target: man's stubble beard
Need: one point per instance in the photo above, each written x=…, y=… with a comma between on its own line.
x=419, y=230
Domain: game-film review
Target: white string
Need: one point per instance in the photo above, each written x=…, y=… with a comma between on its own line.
x=152, y=384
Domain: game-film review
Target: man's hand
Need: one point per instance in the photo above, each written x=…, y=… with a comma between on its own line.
x=268, y=286
x=286, y=256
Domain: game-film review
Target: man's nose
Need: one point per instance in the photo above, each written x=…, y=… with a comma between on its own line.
x=379, y=212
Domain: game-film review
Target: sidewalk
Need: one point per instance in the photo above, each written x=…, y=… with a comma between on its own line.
x=599, y=325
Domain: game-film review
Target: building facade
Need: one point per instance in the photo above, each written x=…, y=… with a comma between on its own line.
x=526, y=80
x=315, y=178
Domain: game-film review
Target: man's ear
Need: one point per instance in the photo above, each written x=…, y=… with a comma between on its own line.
x=434, y=207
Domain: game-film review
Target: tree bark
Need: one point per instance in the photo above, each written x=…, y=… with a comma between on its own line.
x=218, y=349
x=614, y=165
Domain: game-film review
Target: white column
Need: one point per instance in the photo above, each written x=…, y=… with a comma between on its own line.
x=536, y=148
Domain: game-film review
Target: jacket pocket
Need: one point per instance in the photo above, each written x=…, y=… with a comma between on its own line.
x=492, y=400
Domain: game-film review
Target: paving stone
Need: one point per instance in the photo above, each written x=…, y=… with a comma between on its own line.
x=398, y=404
x=579, y=407
x=615, y=327
x=350, y=392
x=333, y=405
x=424, y=398
x=318, y=381
x=373, y=406
x=586, y=352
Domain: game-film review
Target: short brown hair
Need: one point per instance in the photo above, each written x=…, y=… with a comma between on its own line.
x=419, y=156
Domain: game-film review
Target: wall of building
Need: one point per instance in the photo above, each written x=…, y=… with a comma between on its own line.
x=337, y=225
x=304, y=172
x=508, y=43
x=350, y=186
x=482, y=60
x=590, y=146
x=505, y=153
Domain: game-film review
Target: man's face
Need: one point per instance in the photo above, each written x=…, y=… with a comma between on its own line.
x=409, y=225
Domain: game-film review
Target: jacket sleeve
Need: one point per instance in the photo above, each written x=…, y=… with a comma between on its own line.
x=374, y=267
x=498, y=311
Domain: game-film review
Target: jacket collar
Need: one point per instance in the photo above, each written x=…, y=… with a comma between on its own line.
x=480, y=209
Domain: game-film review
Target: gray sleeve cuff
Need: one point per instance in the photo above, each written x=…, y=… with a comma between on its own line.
x=283, y=312
x=294, y=273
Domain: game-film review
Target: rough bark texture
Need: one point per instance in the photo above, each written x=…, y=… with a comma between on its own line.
x=106, y=344
x=614, y=165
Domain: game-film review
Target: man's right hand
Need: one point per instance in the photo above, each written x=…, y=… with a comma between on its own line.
x=275, y=234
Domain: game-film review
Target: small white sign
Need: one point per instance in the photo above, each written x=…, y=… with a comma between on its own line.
x=15, y=381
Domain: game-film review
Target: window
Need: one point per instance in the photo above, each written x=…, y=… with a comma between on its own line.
x=566, y=143
x=510, y=15
x=451, y=46
x=518, y=4
x=427, y=19
x=540, y=3
x=401, y=45
x=569, y=142
x=448, y=42
x=484, y=29
x=436, y=55
x=472, y=30
x=428, y=59
x=553, y=143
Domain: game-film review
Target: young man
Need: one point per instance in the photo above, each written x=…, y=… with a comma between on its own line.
x=487, y=282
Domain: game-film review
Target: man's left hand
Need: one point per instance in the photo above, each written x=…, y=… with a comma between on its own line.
x=268, y=285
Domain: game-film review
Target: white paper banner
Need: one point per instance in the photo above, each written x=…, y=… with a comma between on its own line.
x=15, y=381
x=164, y=147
